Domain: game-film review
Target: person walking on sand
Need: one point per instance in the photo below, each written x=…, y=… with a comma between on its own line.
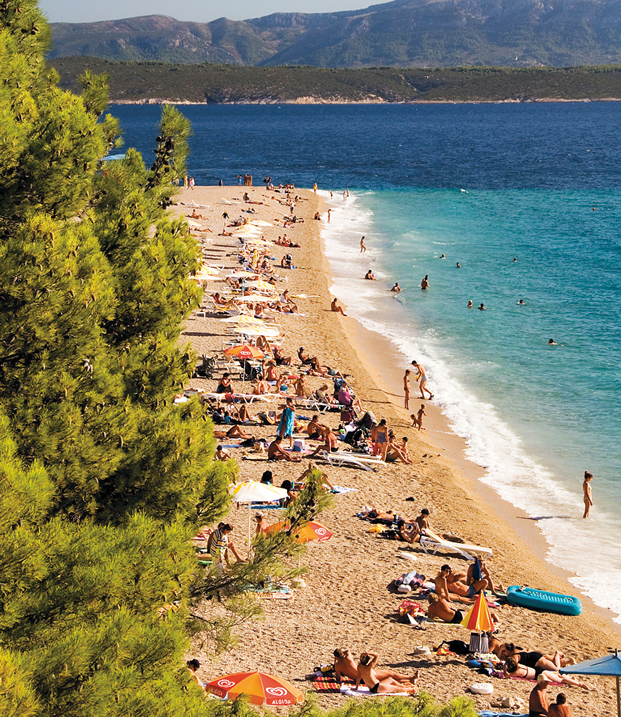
x=422, y=379
x=362, y=246
x=406, y=387
x=588, y=495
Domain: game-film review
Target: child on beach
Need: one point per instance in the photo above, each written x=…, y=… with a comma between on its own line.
x=417, y=419
x=588, y=495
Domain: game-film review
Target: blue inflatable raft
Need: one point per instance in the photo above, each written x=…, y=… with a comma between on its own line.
x=542, y=600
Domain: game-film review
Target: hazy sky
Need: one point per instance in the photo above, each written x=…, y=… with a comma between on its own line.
x=200, y=11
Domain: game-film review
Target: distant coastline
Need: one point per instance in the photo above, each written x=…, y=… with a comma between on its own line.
x=158, y=82
x=322, y=101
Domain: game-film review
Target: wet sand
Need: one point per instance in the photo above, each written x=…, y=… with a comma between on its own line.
x=346, y=602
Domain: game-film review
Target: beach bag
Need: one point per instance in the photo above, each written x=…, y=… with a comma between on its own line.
x=479, y=642
x=459, y=647
x=348, y=415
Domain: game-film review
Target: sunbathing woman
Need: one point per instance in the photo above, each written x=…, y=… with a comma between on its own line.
x=233, y=432
x=514, y=670
x=536, y=660
x=345, y=666
x=377, y=686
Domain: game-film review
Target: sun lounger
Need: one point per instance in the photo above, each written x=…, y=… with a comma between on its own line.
x=431, y=542
x=351, y=459
x=246, y=397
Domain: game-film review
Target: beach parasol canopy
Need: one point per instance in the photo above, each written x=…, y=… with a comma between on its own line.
x=258, y=687
x=311, y=531
x=244, y=351
x=607, y=666
x=262, y=285
x=479, y=616
x=251, y=491
x=250, y=298
x=267, y=331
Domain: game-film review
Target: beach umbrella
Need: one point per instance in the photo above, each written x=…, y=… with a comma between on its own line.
x=242, y=319
x=251, y=491
x=479, y=617
x=309, y=532
x=262, y=286
x=244, y=351
x=258, y=687
x=250, y=298
x=607, y=666
x=267, y=331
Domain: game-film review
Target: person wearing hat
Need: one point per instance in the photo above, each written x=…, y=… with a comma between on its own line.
x=538, y=703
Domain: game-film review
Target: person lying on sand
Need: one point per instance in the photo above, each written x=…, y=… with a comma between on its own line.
x=514, y=670
x=233, y=432
x=377, y=686
x=440, y=608
x=534, y=659
x=276, y=453
x=345, y=666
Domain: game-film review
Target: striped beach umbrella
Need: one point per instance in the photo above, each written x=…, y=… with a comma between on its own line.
x=244, y=351
x=258, y=687
x=479, y=616
x=311, y=531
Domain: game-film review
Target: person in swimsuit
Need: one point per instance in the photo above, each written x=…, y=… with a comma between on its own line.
x=588, y=494
x=513, y=669
x=560, y=708
x=424, y=284
x=366, y=673
x=422, y=379
x=345, y=666
x=334, y=306
x=440, y=608
x=532, y=659
x=379, y=436
x=406, y=388
x=538, y=700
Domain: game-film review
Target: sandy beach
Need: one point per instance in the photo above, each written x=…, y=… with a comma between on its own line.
x=347, y=601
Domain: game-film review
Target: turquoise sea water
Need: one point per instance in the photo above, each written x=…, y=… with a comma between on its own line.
x=482, y=184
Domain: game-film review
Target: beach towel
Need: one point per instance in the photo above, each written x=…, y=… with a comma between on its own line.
x=487, y=713
x=342, y=489
x=363, y=691
x=329, y=683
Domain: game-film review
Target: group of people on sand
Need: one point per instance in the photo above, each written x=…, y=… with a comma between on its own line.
x=365, y=671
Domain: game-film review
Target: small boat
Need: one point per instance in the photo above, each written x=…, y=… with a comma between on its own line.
x=543, y=600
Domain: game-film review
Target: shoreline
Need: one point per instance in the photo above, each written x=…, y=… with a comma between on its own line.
x=336, y=607
x=369, y=101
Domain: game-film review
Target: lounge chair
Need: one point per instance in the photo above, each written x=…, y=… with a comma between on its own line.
x=431, y=542
x=358, y=460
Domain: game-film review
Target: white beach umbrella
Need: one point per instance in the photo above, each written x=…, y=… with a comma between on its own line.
x=261, y=223
x=251, y=491
x=267, y=331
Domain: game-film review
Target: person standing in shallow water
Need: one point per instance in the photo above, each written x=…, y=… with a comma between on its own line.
x=362, y=246
x=588, y=494
x=424, y=284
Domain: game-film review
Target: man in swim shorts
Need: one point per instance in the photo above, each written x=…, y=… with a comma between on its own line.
x=440, y=608
x=538, y=700
x=422, y=379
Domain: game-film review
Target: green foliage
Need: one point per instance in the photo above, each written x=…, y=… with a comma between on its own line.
x=136, y=82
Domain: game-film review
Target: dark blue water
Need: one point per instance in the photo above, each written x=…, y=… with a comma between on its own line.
x=507, y=146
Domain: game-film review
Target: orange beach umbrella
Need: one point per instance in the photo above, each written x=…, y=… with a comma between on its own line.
x=479, y=616
x=311, y=531
x=244, y=351
x=258, y=687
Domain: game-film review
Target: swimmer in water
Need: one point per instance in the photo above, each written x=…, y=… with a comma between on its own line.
x=552, y=342
x=424, y=284
x=443, y=256
x=396, y=288
x=521, y=302
x=469, y=304
x=458, y=265
x=482, y=308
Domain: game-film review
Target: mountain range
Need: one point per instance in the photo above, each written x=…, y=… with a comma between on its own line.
x=402, y=33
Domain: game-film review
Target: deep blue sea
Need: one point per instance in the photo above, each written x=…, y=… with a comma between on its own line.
x=484, y=185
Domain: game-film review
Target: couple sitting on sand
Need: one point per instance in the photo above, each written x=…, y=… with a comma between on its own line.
x=379, y=682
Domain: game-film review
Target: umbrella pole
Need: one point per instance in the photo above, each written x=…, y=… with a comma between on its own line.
x=618, y=697
x=249, y=528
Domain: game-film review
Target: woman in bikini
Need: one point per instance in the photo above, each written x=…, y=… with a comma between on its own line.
x=514, y=670
x=379, y=436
